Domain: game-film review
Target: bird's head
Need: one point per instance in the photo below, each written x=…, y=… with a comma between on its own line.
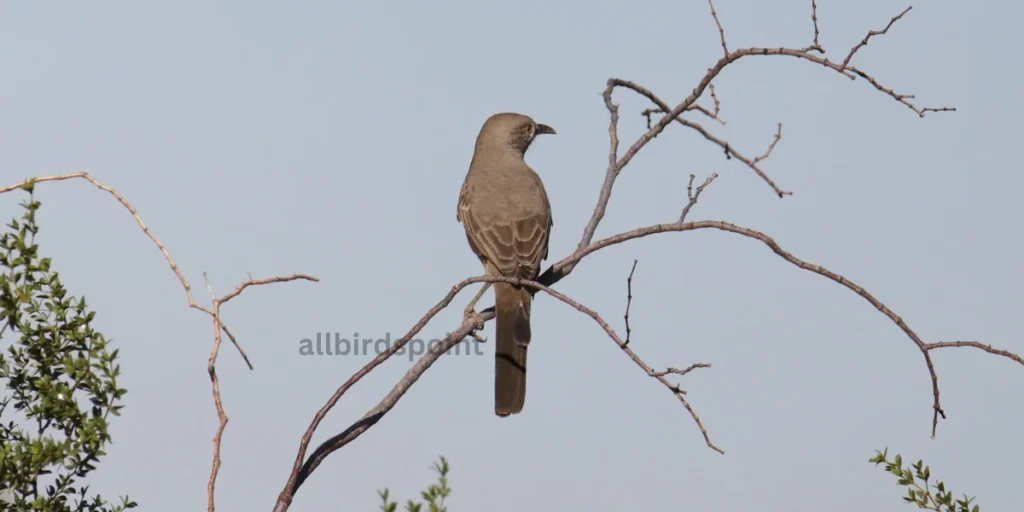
x=511, y=130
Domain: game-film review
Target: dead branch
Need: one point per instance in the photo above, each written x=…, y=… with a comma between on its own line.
x=692, y=196
x=816, y=46
x=629, y=297
x=977, y=345
x=721, y=32
x=771, y=147
x=674, y=371
x=871, y=34
x=672, y=114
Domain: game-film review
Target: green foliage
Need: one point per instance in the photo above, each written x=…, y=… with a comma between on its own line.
x=59, y=377
x=920, y=493
x=434, y=495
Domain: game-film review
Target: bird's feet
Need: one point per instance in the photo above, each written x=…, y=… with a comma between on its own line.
x=471, y=316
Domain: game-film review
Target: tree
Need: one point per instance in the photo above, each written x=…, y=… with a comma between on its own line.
x=60, y=377
x=659, y=117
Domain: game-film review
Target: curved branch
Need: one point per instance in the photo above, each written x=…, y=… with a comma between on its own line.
x=925, y=348
x=131, y=209
x=978, y=345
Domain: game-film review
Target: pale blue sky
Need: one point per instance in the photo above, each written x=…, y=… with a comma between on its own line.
x=332, y=138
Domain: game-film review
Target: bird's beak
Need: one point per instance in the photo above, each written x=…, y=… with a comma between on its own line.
x=543, y=128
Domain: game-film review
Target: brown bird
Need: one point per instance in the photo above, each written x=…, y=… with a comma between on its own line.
x=507, y=217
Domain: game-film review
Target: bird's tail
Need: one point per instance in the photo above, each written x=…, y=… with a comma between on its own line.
x=512, y=333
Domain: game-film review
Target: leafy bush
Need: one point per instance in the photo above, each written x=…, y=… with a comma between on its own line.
x=60, y=378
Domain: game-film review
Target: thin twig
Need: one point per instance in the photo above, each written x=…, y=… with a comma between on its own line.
x=629, y=300
x=871, y=34
x=771, y=147
x=698, y=108
x=721, y=31
x=816, y=47
x=259, y=282
x=238, y=346
x=674, y=371
x=718, y=104
x=731, y=152
x=694, y=196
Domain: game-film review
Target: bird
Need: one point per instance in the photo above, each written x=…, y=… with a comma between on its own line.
x=505, y=211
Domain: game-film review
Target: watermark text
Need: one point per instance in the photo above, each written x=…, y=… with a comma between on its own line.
x=333, y=344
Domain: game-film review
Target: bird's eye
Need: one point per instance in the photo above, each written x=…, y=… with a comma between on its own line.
x=529, y=130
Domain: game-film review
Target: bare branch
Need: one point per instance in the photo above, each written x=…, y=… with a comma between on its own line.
x=729, y=150
x=629, y=300
x=610, y=174
x=977, y=345
x=269, y=280
x=698, y=108
x=693, y=197
x=714, y=98
x=222, y=418
x=145, y=229
x=703, y=110
x=674, y=371
x=238, y=346
x=871, y=34
x=816, y=47
x=675, y=113
x=721, y=32
x=771, y=147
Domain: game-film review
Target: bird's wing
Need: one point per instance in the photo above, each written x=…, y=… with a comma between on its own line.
x=462, y=199
x=551, y=221
x=515, y=247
